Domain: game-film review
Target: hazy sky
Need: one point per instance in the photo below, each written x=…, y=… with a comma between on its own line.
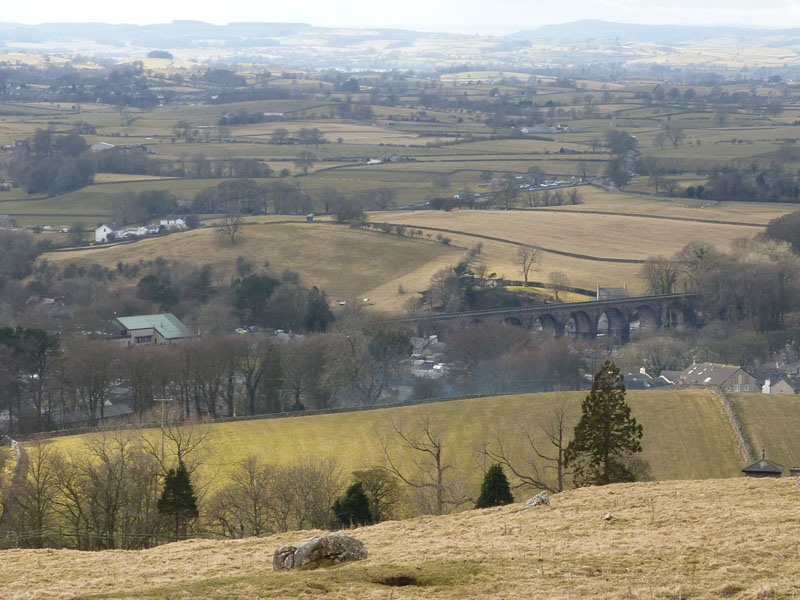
x=464, y=16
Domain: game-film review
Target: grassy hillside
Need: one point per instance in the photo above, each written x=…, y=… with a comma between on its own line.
x=733, y=538
x=634, y=235
x=346, y=263
x=685, y=434
x=772, y=423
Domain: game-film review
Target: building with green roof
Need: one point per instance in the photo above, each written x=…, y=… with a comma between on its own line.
x=151, y=330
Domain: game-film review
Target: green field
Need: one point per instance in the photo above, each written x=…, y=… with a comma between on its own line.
x=771, y=423
x=685, y=433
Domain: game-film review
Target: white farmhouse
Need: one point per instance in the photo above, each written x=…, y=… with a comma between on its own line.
x=174, y=223
x=104, y=233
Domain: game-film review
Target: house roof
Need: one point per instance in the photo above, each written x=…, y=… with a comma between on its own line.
x=167, y=324
x=763, y=466
x=708, y=373
x=671, y=376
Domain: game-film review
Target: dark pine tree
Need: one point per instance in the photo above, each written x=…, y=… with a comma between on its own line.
x=178, y=500
x=353, y=508
x=495, y=490
x=606, y=433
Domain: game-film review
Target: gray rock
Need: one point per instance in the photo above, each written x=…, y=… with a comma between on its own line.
x=319, y=552
x=539, y=500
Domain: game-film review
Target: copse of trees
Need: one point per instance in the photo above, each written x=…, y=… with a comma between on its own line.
x=753, y=286
x=136, y=207
x=785, y=229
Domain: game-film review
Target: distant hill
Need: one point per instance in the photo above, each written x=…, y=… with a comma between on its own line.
x=632, y=32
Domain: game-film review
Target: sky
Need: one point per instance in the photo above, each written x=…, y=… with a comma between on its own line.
x=485, y=17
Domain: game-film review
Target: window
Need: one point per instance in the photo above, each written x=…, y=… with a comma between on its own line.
x=143, y=339
x=736, y=387
x=746, y=387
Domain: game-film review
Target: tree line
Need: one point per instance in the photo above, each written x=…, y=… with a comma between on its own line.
x=133, y=489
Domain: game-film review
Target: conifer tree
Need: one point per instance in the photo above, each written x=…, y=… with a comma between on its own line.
x=178, y=499
x=606, y=433
x=495, y=490
x=353, y=508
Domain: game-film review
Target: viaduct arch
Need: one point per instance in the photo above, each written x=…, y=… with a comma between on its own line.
x=587, y=320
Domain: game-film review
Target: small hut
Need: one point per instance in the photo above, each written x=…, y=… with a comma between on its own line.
x=763, y=468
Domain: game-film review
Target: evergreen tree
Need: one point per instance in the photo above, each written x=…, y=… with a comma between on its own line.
x=606, y=434
x=353, y=508
x=178, y=499
x=495, y=490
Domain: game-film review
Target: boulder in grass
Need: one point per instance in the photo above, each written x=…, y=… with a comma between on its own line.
x=319, y=552
x=539, y=500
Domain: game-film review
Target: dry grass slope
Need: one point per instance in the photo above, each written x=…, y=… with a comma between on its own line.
x=730, y=538
x=346, y=263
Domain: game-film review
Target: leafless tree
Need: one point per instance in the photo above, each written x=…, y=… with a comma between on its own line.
x=535, y=455
x=660, y=274
x=415, y=450
x=527, y=258
x=383, y=490
x=32, y=496
x=230, y=227
x=91, y=368
x=558, y=280
x=305, y=493
x=444, y=285
x=304, y=161
x=244, y=507
x=177, y=441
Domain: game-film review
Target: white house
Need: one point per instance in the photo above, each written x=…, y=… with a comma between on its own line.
x=104, y=233
x=101, y=147
x=174, y=223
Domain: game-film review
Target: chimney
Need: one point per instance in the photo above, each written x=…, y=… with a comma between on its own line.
x=763, y=454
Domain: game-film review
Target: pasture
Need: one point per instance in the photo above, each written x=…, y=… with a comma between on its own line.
x=594, y=243
x=771, y=423
x=685, y=433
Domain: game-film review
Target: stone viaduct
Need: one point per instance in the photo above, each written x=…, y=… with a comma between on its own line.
x=614, y=318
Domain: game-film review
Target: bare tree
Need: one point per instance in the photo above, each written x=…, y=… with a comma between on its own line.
x=244, y=507
x=305, y=493
x=558, y=280
x=540, y=462
x=304, y=161
x=527, y=258
x=383, y=490
x=33, y=493
x=660, y=274
x=90, y=373
x=230, y=227
x=415, y=450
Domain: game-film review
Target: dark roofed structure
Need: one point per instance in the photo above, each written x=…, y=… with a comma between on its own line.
x=763, y=468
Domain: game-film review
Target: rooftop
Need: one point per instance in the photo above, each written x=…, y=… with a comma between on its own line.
x=167, y=324
x=708, y=373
